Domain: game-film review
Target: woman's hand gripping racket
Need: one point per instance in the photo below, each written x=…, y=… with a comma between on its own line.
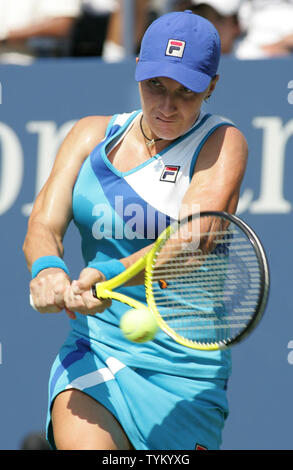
x=206, y=281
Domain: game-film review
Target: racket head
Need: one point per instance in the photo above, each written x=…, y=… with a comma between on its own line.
x=212, y=293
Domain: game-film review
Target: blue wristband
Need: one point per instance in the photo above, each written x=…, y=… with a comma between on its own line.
x=109, y=268
x=45, y=262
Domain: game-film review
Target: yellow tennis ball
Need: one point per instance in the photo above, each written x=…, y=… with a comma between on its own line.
x=139, y=325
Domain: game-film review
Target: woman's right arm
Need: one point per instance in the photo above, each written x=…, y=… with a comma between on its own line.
x=52, y=212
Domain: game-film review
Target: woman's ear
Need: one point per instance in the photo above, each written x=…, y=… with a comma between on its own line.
x=214, y=82
x=137, y=59
x=212, y=86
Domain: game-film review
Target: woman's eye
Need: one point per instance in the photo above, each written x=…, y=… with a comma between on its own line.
x=155, y=86
x=154, y=82
x=187, y=91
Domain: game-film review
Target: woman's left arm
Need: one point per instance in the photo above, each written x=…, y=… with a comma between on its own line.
x=218, y=173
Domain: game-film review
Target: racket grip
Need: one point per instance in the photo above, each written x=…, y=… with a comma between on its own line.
x=94, y=292
x=100, y=293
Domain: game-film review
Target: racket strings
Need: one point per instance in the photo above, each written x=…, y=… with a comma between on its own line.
x=208, y=297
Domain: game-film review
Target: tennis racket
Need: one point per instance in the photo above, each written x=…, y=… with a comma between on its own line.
x=206, y=281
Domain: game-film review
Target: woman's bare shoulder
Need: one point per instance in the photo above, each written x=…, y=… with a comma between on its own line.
x=90, y=129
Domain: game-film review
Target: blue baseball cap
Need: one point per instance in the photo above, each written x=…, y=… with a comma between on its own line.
x=182, y=46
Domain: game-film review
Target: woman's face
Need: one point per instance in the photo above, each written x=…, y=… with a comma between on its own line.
x=169, y=108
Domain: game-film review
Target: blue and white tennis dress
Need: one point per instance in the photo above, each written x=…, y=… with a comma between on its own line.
x=165, y=396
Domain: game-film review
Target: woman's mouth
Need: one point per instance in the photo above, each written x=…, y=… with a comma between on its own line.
x=166, y=120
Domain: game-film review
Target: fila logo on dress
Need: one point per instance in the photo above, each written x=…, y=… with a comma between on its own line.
x=170, y=173
x=175, y=48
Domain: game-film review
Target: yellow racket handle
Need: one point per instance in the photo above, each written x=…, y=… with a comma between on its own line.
x=109, y=294
x=103, y=290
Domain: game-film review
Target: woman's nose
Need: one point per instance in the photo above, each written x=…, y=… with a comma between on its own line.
x=167, y=106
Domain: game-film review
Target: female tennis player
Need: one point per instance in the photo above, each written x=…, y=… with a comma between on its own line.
x=122, y=179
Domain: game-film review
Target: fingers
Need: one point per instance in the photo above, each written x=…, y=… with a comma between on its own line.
x=47, y=290
x=78, y=296
x=87, y=278
x=84, y=302
x=52, y=291
x=70, y=314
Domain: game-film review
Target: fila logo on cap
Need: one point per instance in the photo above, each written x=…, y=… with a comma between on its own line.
x=170, y=173
x=175, y=48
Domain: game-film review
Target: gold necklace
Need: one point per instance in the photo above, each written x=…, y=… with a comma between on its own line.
x=150, y=141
